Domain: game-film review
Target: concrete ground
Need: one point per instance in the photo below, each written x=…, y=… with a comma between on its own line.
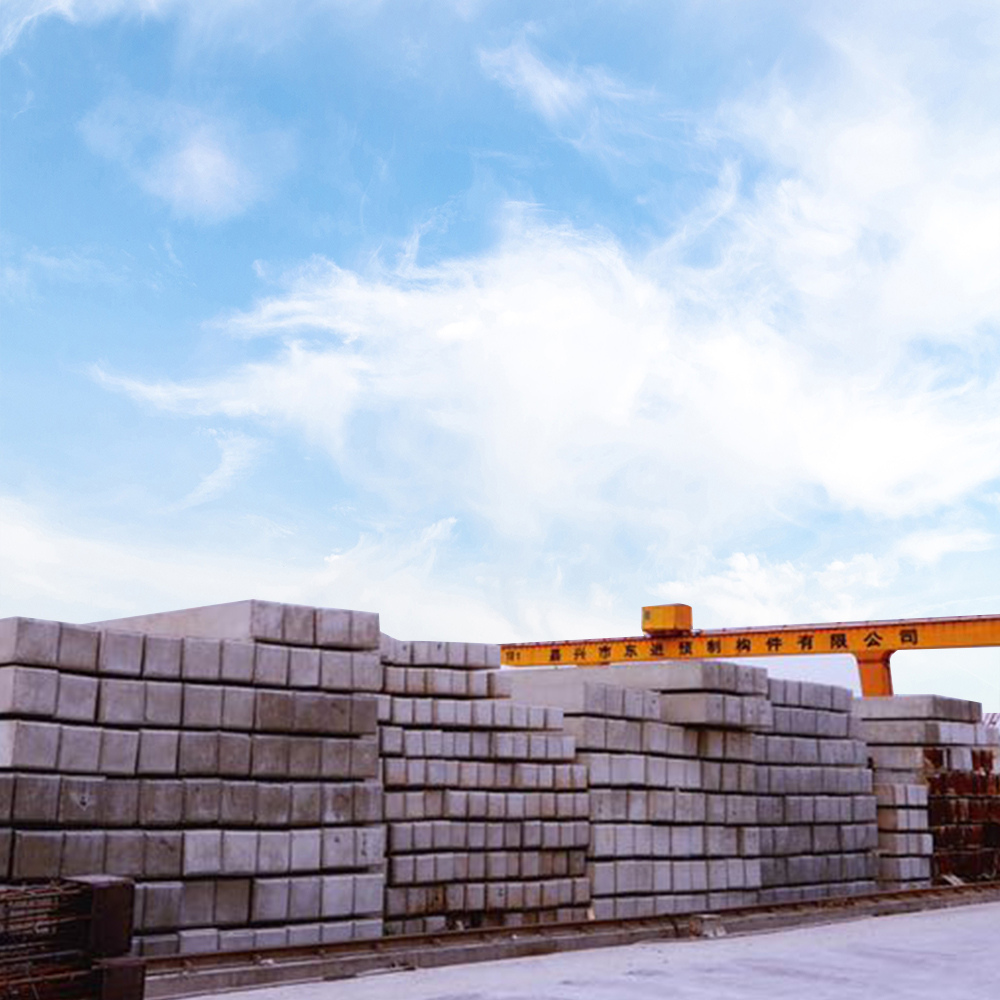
x=934, y=955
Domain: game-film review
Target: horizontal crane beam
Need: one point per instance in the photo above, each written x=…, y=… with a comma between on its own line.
x=872, y=643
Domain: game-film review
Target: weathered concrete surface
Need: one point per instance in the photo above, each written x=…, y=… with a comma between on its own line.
x=932, y=955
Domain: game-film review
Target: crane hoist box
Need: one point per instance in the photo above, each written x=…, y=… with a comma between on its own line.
x=662, y=619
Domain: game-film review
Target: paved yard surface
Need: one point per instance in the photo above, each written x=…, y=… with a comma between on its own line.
x=935, y=955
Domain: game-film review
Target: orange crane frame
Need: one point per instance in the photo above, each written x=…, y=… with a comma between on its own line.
x=669, y=636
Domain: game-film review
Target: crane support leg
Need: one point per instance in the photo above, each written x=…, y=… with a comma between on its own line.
x=876, y=675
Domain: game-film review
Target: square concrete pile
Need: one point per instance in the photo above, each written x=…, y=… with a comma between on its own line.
x=937, y=775
x=226, y=759
x=670, y=751
x=816, y=808
x=486, y=810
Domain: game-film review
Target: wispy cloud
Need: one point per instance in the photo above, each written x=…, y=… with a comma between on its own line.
x=237, y=455
x=553, y=94
x=203, y=165
x=258, y=22
x=586, y=106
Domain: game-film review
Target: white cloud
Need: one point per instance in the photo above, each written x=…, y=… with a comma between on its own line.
x=237, y=455
x=53, y=571
x=929, y=547
x=553, y=94
x=557, y=361
x=259, y=22
x=204, y=166
x=586, y=105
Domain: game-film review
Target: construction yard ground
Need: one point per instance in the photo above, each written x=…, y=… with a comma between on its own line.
x=951, y=954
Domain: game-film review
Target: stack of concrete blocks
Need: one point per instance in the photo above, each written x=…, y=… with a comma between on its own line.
x=231, y=768
x=937, y=776
x=670, y=751
x=486, y=809
x=816, y=806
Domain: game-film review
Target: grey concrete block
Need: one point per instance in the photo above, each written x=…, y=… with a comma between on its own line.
x=232, y=902
x=197, y=903
x=202, y=706
x=202, y=801
x=82, y=853
x=157, y=751
x=78, y=647
x=368, y=892
x=365, y=630
x=366, y=672
x=238, y=708
x=306, y=804
x=931, y=707
x=274, y=710
x=123, y=853
x=81, y=802
x=304, y=757
x=28, y=745
x=364, y=715
x=28, y=691
x=239, y=852
x=269, y=900
x=273, y=852
x=202, y=852
x=237, y=620
x=121, y=702
x=198, y=753
x=234, y=755
x=198, y=941
x=298, y=625
x=269, y=756
x=30, y=641
x=238, y=939
x=304, y=668
x=77, y=698
x=339, y=847
x=163, y=702
x=121, y=802
x=162, y=905
x=161, y=803
x=335, y=670
x=305, y=898
x=337, y=896
x=305, y=850
x=270, y=666
x=237, y=661
x=341, y=629
x=119, y=751
x=36, y=854
x=120, y=653
x=36, y=799
x=201, y=659
x=364, y=758
x=237, y=807
x=162, y=658
x=272, y=806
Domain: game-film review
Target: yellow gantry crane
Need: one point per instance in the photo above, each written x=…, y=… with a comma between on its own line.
x=669, y=636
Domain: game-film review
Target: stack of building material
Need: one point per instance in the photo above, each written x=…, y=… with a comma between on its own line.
x=235, y=779
x=485, y=808
x=673, y=801
x=937, y=772
x=816, y=808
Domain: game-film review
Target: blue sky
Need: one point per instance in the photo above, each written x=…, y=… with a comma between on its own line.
x=504, y=319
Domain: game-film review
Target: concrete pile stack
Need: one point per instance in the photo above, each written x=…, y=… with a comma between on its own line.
x=937, y=774
x=230, y=768
x=486, y=810
x=816, y=808
x=670, y=753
